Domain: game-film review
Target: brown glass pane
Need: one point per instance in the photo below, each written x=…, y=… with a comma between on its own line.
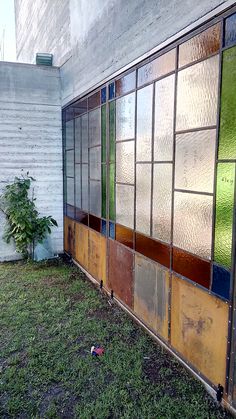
x=157, y=68
x=81, y=216
x=95, y=223
x=124, y=235
x=200, y=46
x=125, y=84
x=153, y=249
x=120, y=277
x=70, y=211
x=94, y=101
x=80, y=107
x=191, y=267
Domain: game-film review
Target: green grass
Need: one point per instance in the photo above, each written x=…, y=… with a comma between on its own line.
x=50, y=316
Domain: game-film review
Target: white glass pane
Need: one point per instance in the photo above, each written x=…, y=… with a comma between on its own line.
x=162, y=201
x=125, y=112
x=143, y=198
x=95, y=162
x=95, y=127
x=144, y=124
x=125, y=162
x=125, y=205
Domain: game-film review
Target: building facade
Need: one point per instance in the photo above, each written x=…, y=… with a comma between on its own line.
x=148, y=94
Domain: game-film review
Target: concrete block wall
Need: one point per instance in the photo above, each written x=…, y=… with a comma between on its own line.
x=31, y=140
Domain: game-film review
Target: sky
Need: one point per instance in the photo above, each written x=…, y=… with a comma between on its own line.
x=7, y=30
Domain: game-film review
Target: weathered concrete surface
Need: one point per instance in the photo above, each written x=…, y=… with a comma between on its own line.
x=30, y=140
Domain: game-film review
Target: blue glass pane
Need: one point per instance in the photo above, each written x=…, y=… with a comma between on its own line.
x=221, y=281
x=112, y=230
x=230, y=30
x=111, y=90
x=104, y=228
x=103, y=94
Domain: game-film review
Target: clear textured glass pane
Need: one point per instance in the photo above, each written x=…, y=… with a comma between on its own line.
x=230, y=30
x=112, y=131
x=144, y=124
x=77, y=140
x=197, y=95
x=70, y=191
x=112, y=192
x=84, y=133
x=95, y=197
x=85, y=187
x=200, y=46
x=164, y=114
x=95, y=127
x=95, y=163
x=125, y=84
x=193, y=223
x=70, y=163
x=125, y=111
x=78, y=185
x=143, y=198
x=227, y=141
x=69, y=135
x=125, y=205
x=125, y=162
x=104, y=134
x=195, y=160
x=157, y=68
x=224, y=213
x=162, y=201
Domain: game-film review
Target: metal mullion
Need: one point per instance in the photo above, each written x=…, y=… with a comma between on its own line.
x=124, y=141
x=95, y=146
x=193, y=192
x=163, y=162
x=152, y=157
x=199, y=60
x=124, y=183
x=226, y=160
x=186, y=131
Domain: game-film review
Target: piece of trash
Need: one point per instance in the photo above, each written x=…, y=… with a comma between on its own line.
x=146, y=357
x=97, y=350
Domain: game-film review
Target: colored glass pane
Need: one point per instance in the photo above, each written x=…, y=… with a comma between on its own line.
x=77, y=140
x=94, y=100
x=198, y=270
x=104, y=191
x=95, y=197
x=153, y=249
x=144, y=124
x=227, y=141
x=112, y=192
x=193, y=223
x=69, y=131
x=81, y=216
x=124, y=235
x=125, y=162
x=162, y=201
x=104, y=227
x=78, y=185
x=70, y=211
x=125, y=205
x=224, y=213
x=84, y=138
x=230, y=30
x=164, y=117
x=125, y=112
x=221, y=281
x=80, y=107
x=95, y=163
x=125, y=84
x=157, y=68
x=111, y=89
x=70, y=184
x=143, y=198
x=104, y=135
x=85, y=187
x=70, y=163
x=200, y=46
x=197, y=95
x=112, y=230
x=103, y=95
x=195, y=161
x=94, y=223
x=95, y=127
x=112, y=131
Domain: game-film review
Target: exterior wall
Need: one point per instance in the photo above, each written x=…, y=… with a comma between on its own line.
x=30, y=140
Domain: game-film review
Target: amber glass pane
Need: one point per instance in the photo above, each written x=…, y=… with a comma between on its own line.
x=94, y=223
x=200, y=46
x=144, y=124
x=191, y=267
x=125, y=112
x=152, y=249
x=125, y=84
x=227, y=142
x=94, y=100
x=124, y=235
x=197, y=95
x=157, y=68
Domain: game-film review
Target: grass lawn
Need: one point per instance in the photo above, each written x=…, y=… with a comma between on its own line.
x=50, y=317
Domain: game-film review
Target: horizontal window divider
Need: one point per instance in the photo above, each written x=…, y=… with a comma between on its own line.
x=199, y=60
x=226, y=161
x=163, y=162
x=141, y=86
x=125, y=141
x=70, y=177
x=221, y=266
x=94, y=146
x=191, y=254
x=185, y=131
x=124, y=183
x=126, y=93
x=95, y=180
x=228, y=47
x=193, y=192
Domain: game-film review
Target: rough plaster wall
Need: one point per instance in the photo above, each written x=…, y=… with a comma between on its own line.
x=30, y=139
x=108, y=34
x=42, y=26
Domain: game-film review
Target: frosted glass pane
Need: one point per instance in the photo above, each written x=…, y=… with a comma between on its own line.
x=193, y=223
x=157, y=68
x=164, y=114
x=95, y=163
x=197, y=95
x=70, y=163
x=95, y=127
x=143, y=197
x=144, y=124
x=69, y=134
x=125, y=111
x=85, y=187
x=84, y=133
x=70, y=191
x=162, y=200
x=95, y=197
x=125, y=205
x=194, y=161
x=77, y=140
x=78, y=185
x=125, y=162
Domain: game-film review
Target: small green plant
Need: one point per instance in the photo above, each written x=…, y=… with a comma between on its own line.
x=24, y=225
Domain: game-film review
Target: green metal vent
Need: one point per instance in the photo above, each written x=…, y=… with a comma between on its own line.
x=44, y=59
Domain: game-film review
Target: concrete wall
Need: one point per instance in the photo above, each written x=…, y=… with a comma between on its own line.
x=30, y=140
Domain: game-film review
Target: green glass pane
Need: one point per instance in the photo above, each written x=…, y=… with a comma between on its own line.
x=112, y=130
x=104, y=133
x=227, y=142
x=224, y=213
x=104, y=194
x=112, y=192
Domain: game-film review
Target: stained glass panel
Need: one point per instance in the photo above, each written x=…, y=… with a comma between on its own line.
x=230, y=30
x=153, y=249
x=125, y=84
x=157, y=68
x=124, y=235
x=111, y=90
x=143, y=198
x=192, y=267
x=125, y=111
x=125, y=162
x=103, y=95
x=112, y=230
x=221, y=281
x=144, y=124
x=125, y=205
x=95, y=127
x=95, y=197
x=95, y=163
x=162, y=201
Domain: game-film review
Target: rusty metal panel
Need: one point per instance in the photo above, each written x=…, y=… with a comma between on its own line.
x=81, y=244
x=120, y=272
x=69, y=228
x=97, y=256
x=199, y=328
x=151, y=288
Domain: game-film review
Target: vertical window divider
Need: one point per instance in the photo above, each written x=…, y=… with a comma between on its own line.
x=152, y=156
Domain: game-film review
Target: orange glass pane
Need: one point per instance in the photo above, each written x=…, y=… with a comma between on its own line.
x=124, y=235
x=153, y=249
